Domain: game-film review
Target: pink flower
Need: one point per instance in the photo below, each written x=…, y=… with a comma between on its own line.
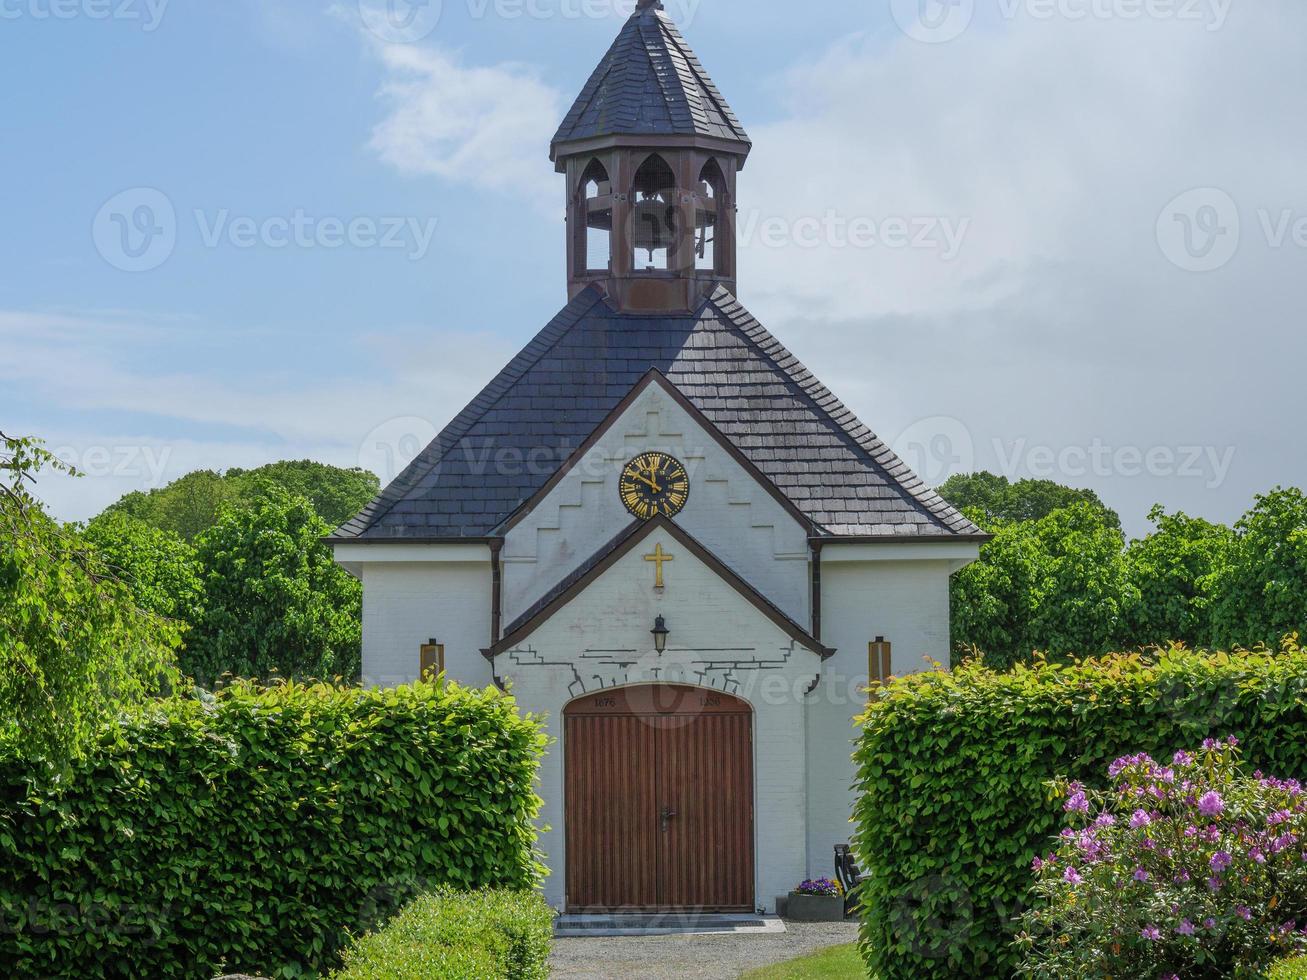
x=1071, y=876
x=1211, y=804
x=1141, y=874
x=1150, y=933
x=1077, y=803
x=1221, y=860
x=1140, y=819
x=1243, y=912
x=1185, y=928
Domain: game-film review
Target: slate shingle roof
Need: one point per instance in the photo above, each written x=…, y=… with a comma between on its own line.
x=568, y=379
x=650, y=83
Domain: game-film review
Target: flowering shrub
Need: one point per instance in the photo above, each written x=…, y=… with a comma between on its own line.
x=1188, y=870
x=821, y=886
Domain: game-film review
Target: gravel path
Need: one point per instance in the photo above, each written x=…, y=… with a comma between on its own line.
x=700, y=957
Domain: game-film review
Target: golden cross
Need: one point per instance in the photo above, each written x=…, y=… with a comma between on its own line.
x=658, y=557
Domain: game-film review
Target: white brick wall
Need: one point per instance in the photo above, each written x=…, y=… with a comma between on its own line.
x=707, y=618
x=407, y=604
x=734, y=517
x=907, y=602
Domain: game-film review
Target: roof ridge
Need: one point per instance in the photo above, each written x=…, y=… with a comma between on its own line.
x=449, y=436
x=825, y=401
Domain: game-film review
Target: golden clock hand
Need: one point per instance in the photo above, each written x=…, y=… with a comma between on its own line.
x=635, y=474
x=653, y=478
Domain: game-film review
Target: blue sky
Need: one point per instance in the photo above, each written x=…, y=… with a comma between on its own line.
x=1036, y=310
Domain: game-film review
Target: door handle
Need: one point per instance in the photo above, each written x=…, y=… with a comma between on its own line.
x=665, y=818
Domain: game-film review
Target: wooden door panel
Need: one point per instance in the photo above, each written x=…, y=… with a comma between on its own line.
x=705, y=777
x=611, y=814
x=629, y=755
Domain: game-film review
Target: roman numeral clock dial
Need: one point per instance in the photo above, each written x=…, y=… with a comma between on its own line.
x=653, y=484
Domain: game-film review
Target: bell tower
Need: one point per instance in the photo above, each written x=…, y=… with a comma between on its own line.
x=650, y=152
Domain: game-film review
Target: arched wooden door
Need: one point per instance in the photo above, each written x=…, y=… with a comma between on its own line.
x=659, y=801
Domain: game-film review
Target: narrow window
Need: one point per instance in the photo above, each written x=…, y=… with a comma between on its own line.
x=431, y=661
x=878, y=662
x=597, y=198
x=653, y=231
x=711, y=185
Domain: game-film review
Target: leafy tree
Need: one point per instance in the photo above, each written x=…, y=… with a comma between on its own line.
x=274, y=599
x=336, y=494
x=1260, y=594
x=998, y=499
x=73, y=642
x=1171, y=575
x=1056, y=584
x=185, y=507
x=160, y=568
x=193, y=503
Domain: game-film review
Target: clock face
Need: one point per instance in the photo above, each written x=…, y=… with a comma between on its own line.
x=653, y=484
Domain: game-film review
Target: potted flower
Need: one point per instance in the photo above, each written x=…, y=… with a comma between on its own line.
x=816, y=900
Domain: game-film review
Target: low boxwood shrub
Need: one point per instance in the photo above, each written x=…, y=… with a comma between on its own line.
x=257, y=830
x=1190, y=869
x=953, y=773
x=450, y=935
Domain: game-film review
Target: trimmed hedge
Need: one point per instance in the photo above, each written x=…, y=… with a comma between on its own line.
x=450, y=935
x=256, y=831
x=953, y=769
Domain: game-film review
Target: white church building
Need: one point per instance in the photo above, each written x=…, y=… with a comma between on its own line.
x=662, y=533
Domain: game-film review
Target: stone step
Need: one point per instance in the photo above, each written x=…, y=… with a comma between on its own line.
x=663, y=924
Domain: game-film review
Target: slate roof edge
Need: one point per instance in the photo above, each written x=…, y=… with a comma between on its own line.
x=825, y=401
x=681, y=104
x=543, y=342
x=544, y=609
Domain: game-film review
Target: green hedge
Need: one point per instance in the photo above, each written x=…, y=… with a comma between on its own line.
x=1290, y=970
x=256, y=831
x=952, y=770
x=453, y=935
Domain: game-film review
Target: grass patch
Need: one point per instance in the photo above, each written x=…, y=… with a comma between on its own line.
x=834, y=963
x=1290, y=970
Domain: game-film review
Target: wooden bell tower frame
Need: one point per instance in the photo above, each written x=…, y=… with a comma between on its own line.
x=680, y=288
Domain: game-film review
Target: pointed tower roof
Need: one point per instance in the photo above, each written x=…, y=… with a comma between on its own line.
x=650, y=84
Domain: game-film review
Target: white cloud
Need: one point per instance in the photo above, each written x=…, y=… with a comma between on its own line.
x=483, y=126
x=90, y=367
x=1060, y=321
